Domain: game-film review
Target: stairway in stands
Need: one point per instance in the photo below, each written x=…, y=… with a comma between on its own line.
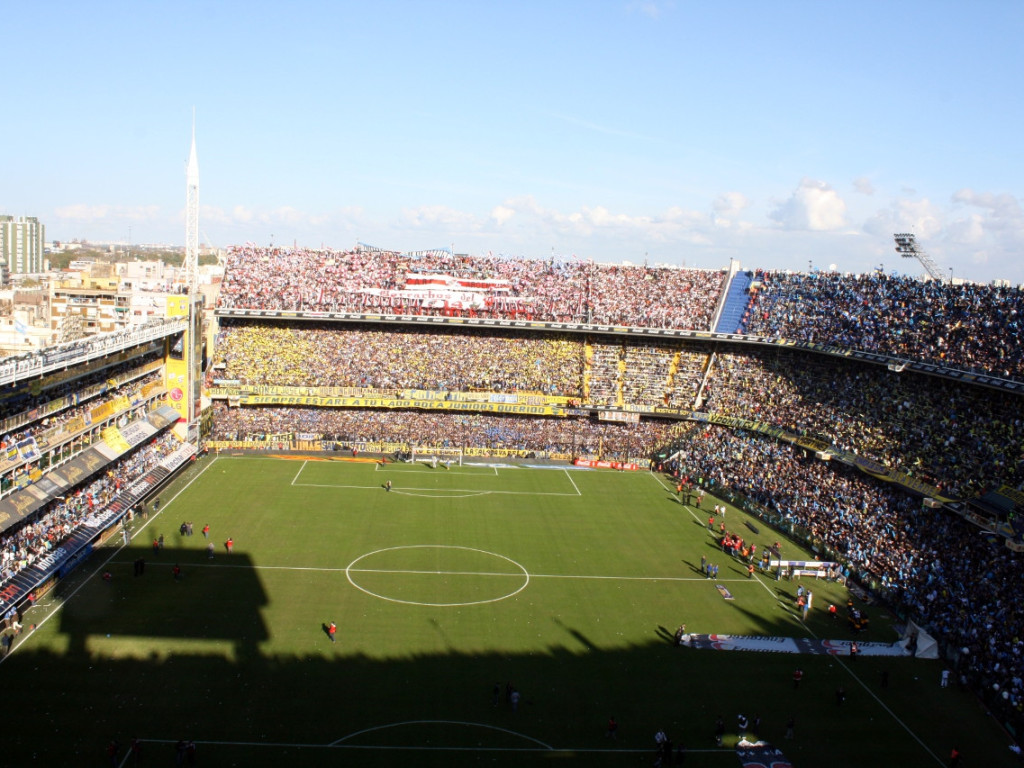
x=731, y=320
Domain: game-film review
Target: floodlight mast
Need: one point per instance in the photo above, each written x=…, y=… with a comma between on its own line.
x=906, y=246
x=191, y=265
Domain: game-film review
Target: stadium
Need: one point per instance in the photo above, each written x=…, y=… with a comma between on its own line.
x=437, y=508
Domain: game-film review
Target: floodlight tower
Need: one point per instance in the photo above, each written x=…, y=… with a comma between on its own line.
x=191, y=265
x=906, y=246
x=193, y=300
x=185, y=355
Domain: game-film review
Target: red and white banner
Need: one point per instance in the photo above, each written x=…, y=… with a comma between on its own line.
x=606, y=464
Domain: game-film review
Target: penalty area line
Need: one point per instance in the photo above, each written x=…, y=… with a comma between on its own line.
x=575, y=487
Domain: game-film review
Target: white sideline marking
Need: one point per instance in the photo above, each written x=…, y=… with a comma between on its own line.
x=385, y=467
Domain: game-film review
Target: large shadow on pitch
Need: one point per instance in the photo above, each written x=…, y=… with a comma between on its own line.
x=438, y=709
x=188, y=605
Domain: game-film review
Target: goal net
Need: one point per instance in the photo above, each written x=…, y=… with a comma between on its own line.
x=437, y=456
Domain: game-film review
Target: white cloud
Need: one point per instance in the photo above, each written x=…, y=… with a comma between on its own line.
x=978, y=234
x=813, y=206
x=211, y=214
x=287, y=215
x=968, y=230
x=597, y=221
x=502, y=214
x=864, y=185
x=1002, y=211
x=922, y=217
x=83, y=213
x=439, y=217
x=730, y=204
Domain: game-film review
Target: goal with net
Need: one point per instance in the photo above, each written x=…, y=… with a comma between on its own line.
x=437, y=456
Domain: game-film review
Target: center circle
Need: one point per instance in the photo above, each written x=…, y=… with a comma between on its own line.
x=425, y=570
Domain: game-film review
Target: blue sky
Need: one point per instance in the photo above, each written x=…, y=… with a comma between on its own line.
x=780, y=134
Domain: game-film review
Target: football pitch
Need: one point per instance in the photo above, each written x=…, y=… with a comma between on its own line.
x=448, y=590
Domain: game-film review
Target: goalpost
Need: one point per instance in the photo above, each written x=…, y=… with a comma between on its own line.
x=443, y=456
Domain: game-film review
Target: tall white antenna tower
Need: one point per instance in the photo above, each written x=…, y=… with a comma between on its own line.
x=906, y=246
x=191, y=265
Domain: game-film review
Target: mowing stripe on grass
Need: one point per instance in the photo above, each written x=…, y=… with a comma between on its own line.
x=407, y=491
x=462, y=572
x=339, y=744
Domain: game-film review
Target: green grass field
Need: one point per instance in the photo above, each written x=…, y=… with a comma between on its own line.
x=567, y=584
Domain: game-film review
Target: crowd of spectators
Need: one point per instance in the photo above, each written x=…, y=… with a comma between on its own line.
x=626, y=373
x=601, y=370
x=60, y=413
x=24, y=403
x=36, y=412
x=961, y=439
x=546, y=290
x=21, y=546
x=576, y=436
x=397, y=358
x=72, y=407
x=942, y=571
x=971, y=327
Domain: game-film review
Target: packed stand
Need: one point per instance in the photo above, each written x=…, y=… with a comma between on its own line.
x=604, y=373
x=60, y=412
x=330, y=355
x=439, y=283
x=646, y=374
x=975, y=328
x=686, y=374
x=931, y=564
x=23, y=405
x=568, y=436
x=367, y=356
x=962, y=439
x=50, y=526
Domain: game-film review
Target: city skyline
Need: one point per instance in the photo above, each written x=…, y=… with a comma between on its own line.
x=785, y=136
